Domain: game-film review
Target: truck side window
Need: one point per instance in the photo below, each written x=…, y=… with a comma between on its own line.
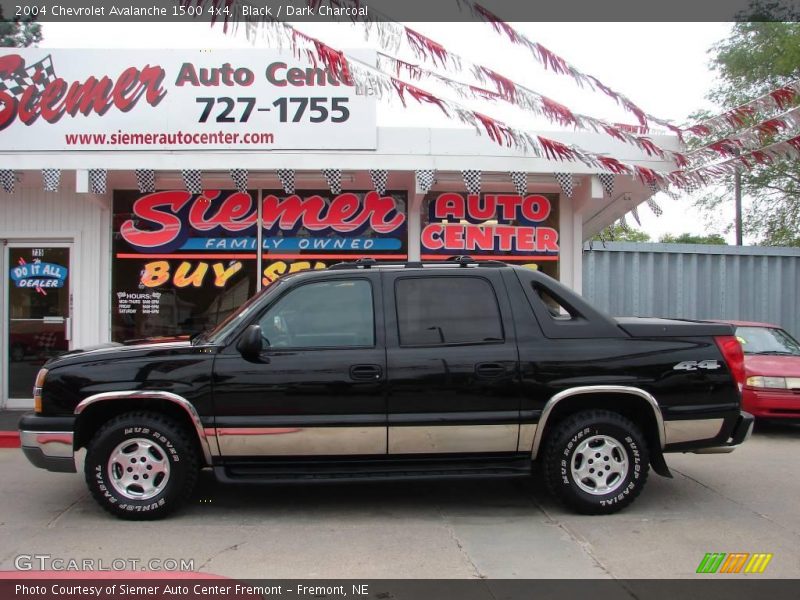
x=447, y=310
x=325, y=314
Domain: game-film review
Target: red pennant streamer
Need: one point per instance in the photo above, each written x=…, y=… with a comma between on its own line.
x=497, y=132
x=558, y=112
x=419, y=95
x=426, y=46
x=556, y=150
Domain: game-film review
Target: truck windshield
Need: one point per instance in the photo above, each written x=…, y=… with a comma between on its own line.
x=220, y=332
x=767, y=340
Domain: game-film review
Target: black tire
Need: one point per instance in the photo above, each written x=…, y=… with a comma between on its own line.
x=163, y=435
x=614, y=434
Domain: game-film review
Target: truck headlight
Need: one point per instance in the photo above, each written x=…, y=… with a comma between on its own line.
x=37, y=390
x=759, y=381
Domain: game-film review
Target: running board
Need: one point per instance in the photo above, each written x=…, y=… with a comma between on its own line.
x=304, y=471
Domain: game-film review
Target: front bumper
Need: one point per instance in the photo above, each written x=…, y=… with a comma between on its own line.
x=740, y=434
x=771, y=403
x=47, y=443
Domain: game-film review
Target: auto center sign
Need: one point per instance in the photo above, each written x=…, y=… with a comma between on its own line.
x=177, y=99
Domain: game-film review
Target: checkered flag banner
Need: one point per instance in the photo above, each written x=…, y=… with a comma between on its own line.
x=193, y=180
x=607, y=181
x=334, y=179
x=653, y=205
x=635, y=213
x=51, y=179
x=520, y=181
x=425, y=178
x=671, y=193
x=287, y=180
x=623, y=223
x=146, y=181
x=472, y=179
x=654, y=188
x=566, y=182
x=239, y=177
x=97, y=181
x=38, y=74
x=379, y=179
x=7, y=180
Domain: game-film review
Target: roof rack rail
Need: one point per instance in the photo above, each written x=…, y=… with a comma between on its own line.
x=460, y=261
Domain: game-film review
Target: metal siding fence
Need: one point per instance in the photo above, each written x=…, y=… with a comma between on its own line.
x=694, y=282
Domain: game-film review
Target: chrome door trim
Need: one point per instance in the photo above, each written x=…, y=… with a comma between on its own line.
x=597, y=389
x=168, y=396
x=301, y=441
x=438, y=439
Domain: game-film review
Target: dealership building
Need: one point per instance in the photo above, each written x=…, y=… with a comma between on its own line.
x=155, y=203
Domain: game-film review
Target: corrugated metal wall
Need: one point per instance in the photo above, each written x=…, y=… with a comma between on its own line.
x=695, y=282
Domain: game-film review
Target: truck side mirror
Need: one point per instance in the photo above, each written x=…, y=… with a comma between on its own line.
x=251, y=342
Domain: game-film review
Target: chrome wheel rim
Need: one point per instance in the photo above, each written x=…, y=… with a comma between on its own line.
x=599, y=465
x=138, y=469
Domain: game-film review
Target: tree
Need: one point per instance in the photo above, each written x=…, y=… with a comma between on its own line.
x=690, y=238
x=616, y=233
x=755, y=59
x=19, y=33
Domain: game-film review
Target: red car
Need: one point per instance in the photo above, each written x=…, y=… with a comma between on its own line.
x=772, y=370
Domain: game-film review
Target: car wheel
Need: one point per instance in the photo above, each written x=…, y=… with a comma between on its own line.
x=596, y=462
x=141, y=465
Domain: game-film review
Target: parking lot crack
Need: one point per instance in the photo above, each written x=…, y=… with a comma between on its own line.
x=220, y=553
x=453, y=536
x=734, y=501
x=54, y=521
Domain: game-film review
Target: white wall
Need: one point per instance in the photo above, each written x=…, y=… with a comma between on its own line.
x=31, y=214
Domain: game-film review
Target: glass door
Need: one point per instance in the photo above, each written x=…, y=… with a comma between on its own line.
x=38, y=310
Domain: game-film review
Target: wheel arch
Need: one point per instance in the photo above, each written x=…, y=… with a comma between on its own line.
x=635, y=403
x=93, y=411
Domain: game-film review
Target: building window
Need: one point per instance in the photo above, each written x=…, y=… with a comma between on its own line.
x=182, y=263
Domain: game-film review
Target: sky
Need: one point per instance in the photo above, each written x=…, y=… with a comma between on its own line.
x=663, y=67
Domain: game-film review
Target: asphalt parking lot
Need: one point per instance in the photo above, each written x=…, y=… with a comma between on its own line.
x=746, y=501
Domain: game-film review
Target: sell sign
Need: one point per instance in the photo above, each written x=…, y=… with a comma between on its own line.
x=178, y=99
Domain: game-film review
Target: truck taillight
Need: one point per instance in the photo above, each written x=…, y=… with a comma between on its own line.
x=733, y=354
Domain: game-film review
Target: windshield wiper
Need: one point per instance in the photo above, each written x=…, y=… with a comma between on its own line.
x=776, y=352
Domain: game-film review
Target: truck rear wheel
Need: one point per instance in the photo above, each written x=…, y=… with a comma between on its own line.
x=141, y=465
x=596, y=462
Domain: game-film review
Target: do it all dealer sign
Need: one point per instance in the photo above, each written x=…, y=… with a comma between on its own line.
x=177, y=99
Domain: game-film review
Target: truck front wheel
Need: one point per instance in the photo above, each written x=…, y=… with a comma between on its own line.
x=141, y=465
x=596, y=462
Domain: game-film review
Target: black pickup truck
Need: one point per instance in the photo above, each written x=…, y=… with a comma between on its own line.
x=371, y=371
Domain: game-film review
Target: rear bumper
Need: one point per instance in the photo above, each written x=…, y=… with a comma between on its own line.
x=740, y=434
x=47, y=443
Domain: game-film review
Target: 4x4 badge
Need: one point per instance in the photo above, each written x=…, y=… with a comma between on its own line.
x=693, y=365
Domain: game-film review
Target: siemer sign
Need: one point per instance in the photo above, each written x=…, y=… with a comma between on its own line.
x=177, y=99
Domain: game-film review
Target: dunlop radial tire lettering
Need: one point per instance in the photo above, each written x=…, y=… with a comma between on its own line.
x=167, y=436
x=566, y=440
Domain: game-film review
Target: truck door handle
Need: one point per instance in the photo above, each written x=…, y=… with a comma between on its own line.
x=366, y=372
x=489, y=370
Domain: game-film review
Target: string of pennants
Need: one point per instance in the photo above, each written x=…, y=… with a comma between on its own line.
x=425, y=180
x=387, y=86
x=383, y=79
